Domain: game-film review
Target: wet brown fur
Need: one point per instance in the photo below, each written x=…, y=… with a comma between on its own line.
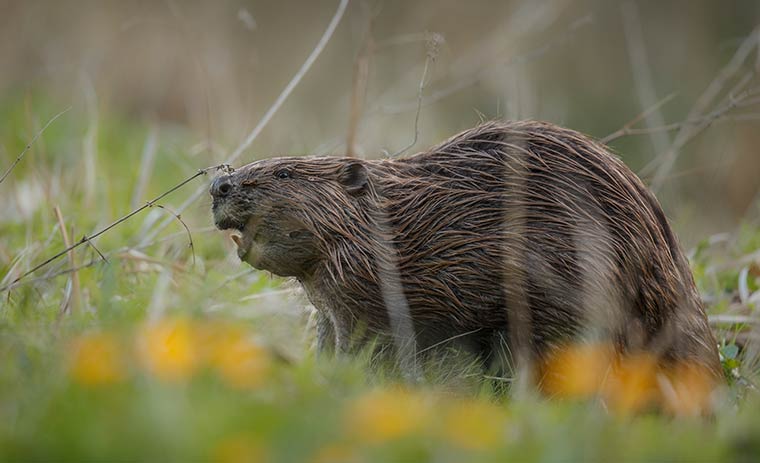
x=523, y=235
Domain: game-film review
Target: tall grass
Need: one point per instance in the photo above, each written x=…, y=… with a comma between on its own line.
x=152, y=342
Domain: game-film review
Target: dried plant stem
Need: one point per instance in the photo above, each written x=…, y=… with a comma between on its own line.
x=87, y=239
x=628, y=129
x=121, y=253
x=686, y=133
x=420, y=92
x=433, y=45
x=644, y=83
x=268, y=115
x=146, y=165
x=293, y=82
x=75, y=300
x=469, y=80
x=29, y=145
x=359, y=90
x=187, y=229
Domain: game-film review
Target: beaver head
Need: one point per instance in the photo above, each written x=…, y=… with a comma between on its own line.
x=286, y=209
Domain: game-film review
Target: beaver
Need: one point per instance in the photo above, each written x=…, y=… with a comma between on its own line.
x=517, y=237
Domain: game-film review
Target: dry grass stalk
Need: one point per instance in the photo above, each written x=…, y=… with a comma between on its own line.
x=146, y=165
x=359, y=90
x=74, y=303
x=87, y=239
x=29, y=145
x=267, y=116
x=698, y=111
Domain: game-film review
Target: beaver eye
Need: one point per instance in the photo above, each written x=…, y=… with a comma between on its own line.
x=282, y=174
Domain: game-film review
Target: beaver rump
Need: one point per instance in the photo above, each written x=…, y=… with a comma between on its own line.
x=511, y=237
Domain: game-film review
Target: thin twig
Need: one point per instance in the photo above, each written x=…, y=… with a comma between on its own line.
x=123, y=253
x=104, y=258
x=467, y=81
x=433, y=44
x=29, y=145
x=66, y=271
x=686, y=133
x=120, y=254
x=709, y=119
x=86, y=239
x=693, y=127
x=189, y=235
x=270, y=113
x=420, y=92
x=628, y=129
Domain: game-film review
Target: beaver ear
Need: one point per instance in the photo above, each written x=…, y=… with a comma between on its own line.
x=353, y=176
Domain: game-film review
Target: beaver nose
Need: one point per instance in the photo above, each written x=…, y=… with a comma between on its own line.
x=220, y=187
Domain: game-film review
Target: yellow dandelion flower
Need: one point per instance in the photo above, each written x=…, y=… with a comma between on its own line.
x=384, y=415
x=242, y=363
x=96, y=359
x=336, y=453
x=687, y=390
x=474, y=425
x=577, y=371
x=632, y=386
x=167, y=349
x=240, y=448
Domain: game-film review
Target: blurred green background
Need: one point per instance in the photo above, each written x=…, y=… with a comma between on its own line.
x=177, y=352
x=211, y=70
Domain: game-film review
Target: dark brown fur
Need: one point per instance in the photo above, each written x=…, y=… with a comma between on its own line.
x=516, y=234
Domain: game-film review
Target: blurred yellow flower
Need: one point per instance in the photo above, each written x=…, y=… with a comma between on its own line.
x=240, y=448
x=96, y=359
x=632, y=386
x=167, y=349
x=383, y=415
x=687, y=390
x=577, y=371
x=627, y=383
x=474, y=425
x=336, y=453
x=241, y=362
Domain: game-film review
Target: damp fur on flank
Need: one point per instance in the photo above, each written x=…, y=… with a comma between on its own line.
x=507, y=241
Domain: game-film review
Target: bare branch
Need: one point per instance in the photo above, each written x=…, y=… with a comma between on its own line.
x=627, y=128
x=686, y=133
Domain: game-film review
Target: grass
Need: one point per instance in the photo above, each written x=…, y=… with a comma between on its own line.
x=171, y=353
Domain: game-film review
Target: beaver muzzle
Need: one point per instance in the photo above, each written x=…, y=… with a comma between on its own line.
x=228, y=217
x=225, y=216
